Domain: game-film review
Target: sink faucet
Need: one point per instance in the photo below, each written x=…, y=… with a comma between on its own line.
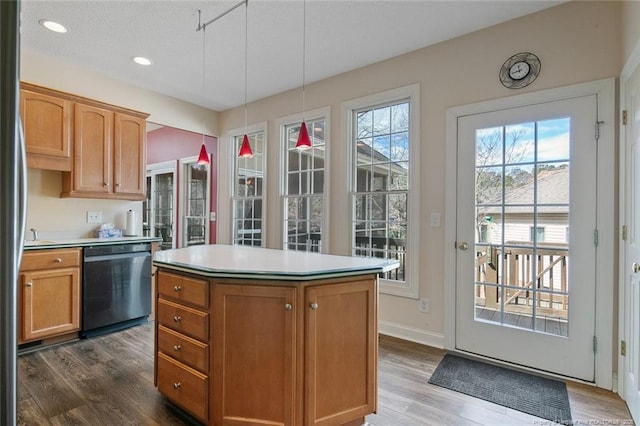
x=35, y=234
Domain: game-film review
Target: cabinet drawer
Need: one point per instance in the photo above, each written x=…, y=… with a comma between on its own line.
x=186, y=320
x=49, y=259
x=184, y=349
x=185, y=289
x=184, y=386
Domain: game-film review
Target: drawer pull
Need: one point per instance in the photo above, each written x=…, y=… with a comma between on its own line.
x=177, y=289
x=176, y=385
x=288, y=307
x=29, y=284
x=58, y=260
x=314, y=306
x=177, y=319
x=177, y=348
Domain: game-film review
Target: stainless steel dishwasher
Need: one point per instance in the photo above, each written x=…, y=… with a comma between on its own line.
x=116, y=287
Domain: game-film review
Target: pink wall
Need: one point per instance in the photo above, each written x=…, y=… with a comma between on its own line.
x=168, y=143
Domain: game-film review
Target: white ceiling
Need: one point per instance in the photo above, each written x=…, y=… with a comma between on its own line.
x=340, y=36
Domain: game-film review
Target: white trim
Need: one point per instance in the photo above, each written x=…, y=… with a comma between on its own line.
x=411, y=334
x=230, y=136
x=633, y=62
x=281, y=123
x=164, y=165
x=605, y=91
x=151, y=171
x=412, y=92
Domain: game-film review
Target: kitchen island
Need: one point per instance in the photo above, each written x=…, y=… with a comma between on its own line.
x=249, y=336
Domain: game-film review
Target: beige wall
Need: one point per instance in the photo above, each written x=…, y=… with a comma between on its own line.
x=55, y=217
x=630, y=26
x=576, y=42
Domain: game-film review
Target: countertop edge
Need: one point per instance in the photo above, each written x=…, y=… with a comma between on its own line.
x=85, y=242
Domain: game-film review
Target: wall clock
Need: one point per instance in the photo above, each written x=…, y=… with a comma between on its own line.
x=520, y=70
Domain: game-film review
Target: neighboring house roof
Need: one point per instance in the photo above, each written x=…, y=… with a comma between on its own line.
x=552, y=195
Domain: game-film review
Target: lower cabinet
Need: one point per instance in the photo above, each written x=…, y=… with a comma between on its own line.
x=281, y=353
x=49, y=294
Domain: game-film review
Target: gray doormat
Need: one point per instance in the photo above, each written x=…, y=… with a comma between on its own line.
x=538, y=396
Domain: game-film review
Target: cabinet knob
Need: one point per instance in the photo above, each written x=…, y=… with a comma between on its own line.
x=58, y=260
x=107, y=184
x=288, y=307
x=314, y=306
x=29, y=284
x=177, y=319
x=176, y=385
x=118, y=185
x=177, y=348
x=177, y=288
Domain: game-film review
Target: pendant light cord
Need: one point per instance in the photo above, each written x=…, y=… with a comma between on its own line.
x=246, y=37
x=304, y=50
x=204, y=40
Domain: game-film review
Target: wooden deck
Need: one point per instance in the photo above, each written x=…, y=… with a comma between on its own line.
x=108, y=380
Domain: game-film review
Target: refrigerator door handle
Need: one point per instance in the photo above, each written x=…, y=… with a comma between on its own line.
x=22, y=165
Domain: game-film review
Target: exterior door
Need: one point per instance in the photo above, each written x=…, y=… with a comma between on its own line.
x=630, y=301
x=525, y=235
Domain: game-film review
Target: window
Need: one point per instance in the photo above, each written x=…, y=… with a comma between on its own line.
x=304, y=188
x=536, y=234
x=248, y=192
x=196, y=204
x=384, y=158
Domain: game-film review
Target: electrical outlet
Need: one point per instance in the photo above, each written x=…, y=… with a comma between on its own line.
x=94, y=217
x=423, y=305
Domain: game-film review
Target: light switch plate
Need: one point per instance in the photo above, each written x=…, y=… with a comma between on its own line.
x=435, y=220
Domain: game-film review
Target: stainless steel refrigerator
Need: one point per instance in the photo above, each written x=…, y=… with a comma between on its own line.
x=12, y=203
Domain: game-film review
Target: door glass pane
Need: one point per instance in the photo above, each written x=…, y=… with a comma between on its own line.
x=522, y=220
x=163, y=209
x=195, y=204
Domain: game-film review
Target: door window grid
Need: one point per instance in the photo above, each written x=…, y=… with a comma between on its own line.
x=381, y=183
x=196, y=204
x=248, y=192
x=304, y=188
x=521, y=184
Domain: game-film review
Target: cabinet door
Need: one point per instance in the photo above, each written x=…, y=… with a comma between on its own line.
x=50, y=303
x=129, y=155
x=93, y=129
x=341, y=349
x=253, y=355
x=47, y=130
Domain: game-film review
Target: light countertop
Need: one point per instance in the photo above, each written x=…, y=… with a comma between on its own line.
x=82, y=242
x=219, y=260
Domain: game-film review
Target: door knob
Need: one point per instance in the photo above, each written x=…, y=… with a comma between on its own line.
x=636, y=267
x=463, y=246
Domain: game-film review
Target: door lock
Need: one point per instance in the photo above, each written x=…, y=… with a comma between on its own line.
x=636, y=267
x=463, y=246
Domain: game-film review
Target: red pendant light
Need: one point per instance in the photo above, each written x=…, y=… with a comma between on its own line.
x=203, y=158
x=304, y=142
x=245, y=148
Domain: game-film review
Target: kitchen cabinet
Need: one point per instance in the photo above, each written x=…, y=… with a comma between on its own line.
x=49, y=293
x=109, y=155
x=46, y=121
x=100, y=148
x=254, y=343
x=182, y=342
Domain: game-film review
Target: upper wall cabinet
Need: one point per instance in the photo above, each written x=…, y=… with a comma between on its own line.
x=101, y=148
x=47, y=129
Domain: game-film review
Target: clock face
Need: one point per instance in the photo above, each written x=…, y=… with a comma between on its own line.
x=520, y=70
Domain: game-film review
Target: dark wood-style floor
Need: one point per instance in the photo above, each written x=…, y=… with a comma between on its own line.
x=108, y=380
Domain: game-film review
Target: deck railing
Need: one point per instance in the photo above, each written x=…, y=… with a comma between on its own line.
x=523, y=277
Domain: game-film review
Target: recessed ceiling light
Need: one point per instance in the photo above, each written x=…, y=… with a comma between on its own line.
x=141, y=60
x=53, y=26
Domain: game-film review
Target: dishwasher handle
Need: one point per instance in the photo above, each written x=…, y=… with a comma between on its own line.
x=88, y=259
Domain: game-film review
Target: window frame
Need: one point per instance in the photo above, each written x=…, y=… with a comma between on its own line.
x=282, y=124
x=410, y=288
x=233, y=136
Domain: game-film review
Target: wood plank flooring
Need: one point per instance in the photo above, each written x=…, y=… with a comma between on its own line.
x=108, y=380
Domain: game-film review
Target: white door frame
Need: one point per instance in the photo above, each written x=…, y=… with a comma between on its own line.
x=605, y=91
x=632, y=63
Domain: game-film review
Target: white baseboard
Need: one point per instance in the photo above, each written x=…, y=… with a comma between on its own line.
x=411, y=334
